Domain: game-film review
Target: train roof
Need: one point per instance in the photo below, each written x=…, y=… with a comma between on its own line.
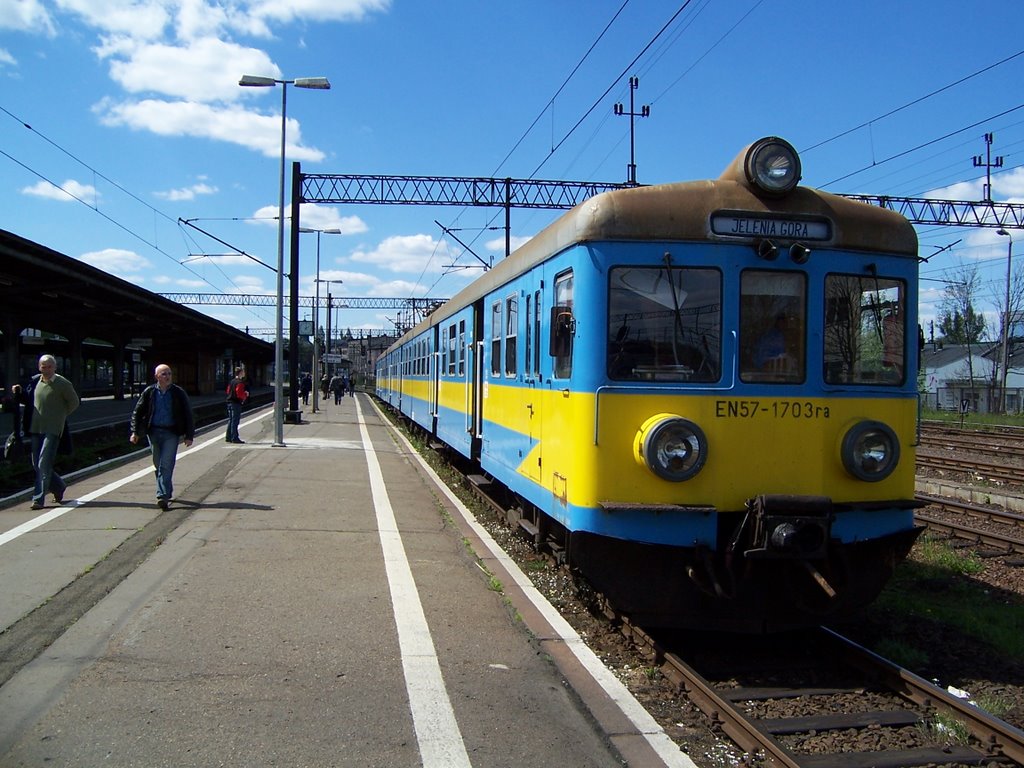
x=683, y=211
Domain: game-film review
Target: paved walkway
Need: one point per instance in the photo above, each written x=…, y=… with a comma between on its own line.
x=321, y=604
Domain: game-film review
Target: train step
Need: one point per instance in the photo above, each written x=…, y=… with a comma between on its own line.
x=479, y=480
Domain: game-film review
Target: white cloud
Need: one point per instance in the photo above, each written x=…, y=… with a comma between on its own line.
x=186, y=193
x=25, y=16
x=233, y=125
x=316, y=10
x=6, y=58
x=118, y=262
x=204, y=70
x=406, y=253
x=140, y=19
x=315, y=216
x=498, y=243
x=68, y=192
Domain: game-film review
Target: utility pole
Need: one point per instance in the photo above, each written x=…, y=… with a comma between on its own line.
x=645, y=111
x=989, y=164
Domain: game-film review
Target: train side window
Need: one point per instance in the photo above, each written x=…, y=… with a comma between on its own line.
x=511, y=333
x=462, y=347
x=536, y=333
x=528, y=343
x=865, y=330
x=563, y=326
x=452, y=354
x=773, y=323
x=496, y=338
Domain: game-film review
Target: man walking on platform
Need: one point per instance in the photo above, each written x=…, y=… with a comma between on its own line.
x=49, y=399
x=237, y=395
x=164, y=414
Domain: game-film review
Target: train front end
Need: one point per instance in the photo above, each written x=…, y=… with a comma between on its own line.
x=741, y=444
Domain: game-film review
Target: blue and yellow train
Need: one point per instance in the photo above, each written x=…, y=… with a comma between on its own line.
x=704, y=394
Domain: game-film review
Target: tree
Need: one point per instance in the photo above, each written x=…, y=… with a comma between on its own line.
x=958, y=320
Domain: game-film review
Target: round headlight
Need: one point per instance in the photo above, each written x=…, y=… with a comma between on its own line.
x=772, y=165
x=870, y=451
x=672, y=447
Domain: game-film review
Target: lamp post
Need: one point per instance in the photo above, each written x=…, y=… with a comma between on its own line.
x=316, y=310
x=319, y=83
x=327, y=337
x=1006, y=318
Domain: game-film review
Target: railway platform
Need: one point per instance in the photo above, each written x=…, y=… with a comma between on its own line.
x=325, y=603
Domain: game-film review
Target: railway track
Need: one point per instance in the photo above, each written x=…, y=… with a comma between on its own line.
x=816, y=707
x=957, y=517
x=963, y=465
x=838, y=697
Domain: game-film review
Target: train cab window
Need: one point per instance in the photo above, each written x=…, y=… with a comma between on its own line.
x=865, y=330
x=664, y=324
x=511, y=333
x=773, y=323
x=563, y=326
x=496, y=338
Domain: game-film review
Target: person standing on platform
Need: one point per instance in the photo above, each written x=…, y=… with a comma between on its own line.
x=49, y=399
x=306, y=387
x=336, y=388
x=164, y=414
x=237, y=396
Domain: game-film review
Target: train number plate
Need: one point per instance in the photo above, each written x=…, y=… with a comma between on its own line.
x=770, y=409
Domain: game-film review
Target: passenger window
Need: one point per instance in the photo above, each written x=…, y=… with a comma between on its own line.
x=773, y=326
x=563, y=326
x=865, y=330
x=511, y=333
x=496, y=338
x=462, y=348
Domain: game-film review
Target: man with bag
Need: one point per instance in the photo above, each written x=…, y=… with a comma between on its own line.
x=237, y=395
x=49, y=399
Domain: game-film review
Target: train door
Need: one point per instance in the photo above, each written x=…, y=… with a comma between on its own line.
x=434, y=376
x=534, y=383
x=476, y=370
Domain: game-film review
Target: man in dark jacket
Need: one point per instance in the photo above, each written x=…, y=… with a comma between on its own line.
x=164, y=414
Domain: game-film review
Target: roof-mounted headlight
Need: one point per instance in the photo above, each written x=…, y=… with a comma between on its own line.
x=870, y=451
x=772, y=165
x=672, y=447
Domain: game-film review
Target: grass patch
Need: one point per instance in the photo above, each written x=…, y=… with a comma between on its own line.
x=936, y=585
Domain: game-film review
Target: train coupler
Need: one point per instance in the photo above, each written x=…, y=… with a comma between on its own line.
x=790, y=527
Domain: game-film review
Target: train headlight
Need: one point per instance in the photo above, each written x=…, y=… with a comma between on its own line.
x=772, y=165
x=672, y=447
x=870, y=451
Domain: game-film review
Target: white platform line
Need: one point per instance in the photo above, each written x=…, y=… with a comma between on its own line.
x=437, y=732
x=615, y=689
x=52, y=514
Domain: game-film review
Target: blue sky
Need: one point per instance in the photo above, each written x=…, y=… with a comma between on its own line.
x=135, y=110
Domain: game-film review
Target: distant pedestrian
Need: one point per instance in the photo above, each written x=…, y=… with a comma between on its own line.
x=49, y=399
x=237, y=396
x=305, y=387
x=164, y=414
x=336, y=388
x=325, y=386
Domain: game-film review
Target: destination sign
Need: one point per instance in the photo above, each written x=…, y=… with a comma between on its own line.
x=745, y=225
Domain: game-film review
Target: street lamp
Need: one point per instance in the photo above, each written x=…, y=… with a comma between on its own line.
x=319, y=83
x=1006, y=319
x=327, y=337
x=316, y=309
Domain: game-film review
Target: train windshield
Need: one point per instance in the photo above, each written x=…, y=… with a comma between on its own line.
x=864, y=330
x=664, y=324
x=773, y=315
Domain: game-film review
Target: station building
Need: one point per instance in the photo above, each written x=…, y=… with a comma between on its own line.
x=109, y=334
